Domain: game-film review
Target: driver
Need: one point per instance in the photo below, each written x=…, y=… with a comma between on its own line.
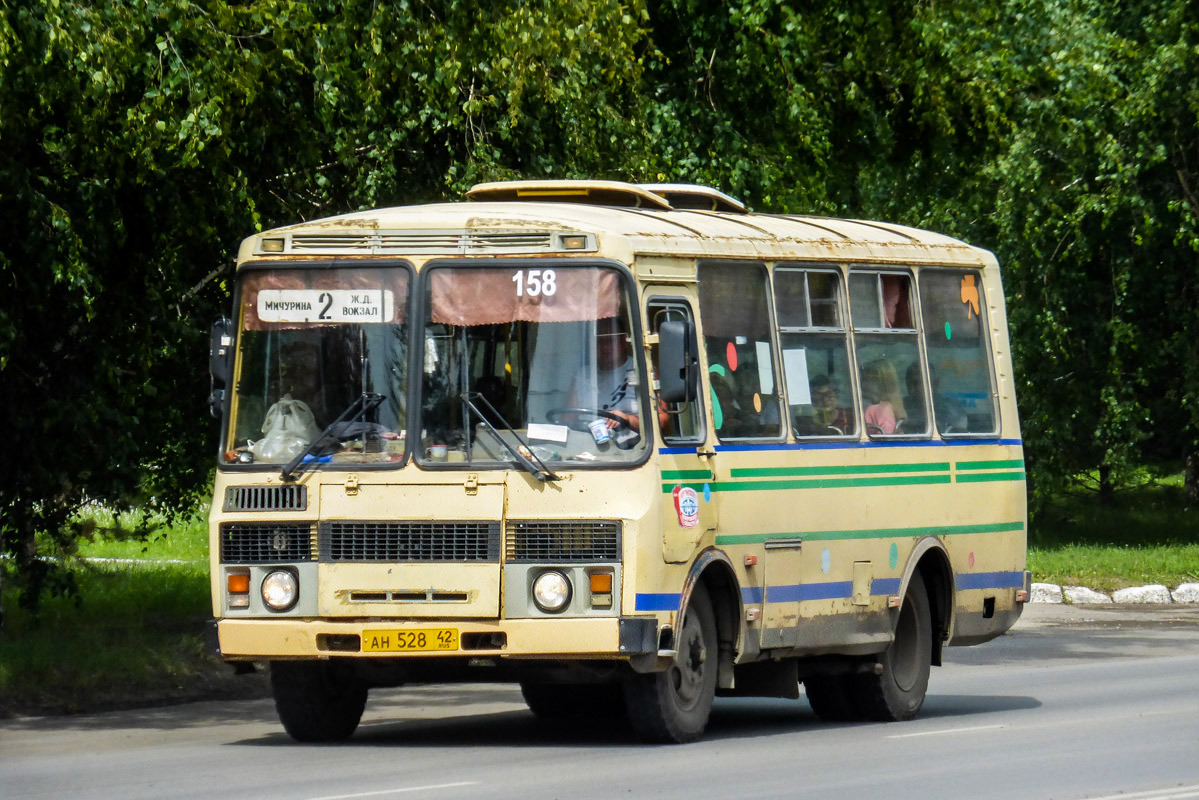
x=607, y=387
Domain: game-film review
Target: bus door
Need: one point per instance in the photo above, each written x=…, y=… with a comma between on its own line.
x=689, y=506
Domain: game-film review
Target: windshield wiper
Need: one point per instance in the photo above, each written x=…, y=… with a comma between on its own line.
x=539, y=470
x=364, y=403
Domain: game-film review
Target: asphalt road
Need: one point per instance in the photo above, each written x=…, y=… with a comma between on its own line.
x=1101, y=702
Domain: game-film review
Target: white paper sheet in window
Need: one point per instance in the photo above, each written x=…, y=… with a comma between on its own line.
x=795, y=368
x=765, y=367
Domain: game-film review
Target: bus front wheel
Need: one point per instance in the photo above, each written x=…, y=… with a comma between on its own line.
x=317, y=701
x=897, y=692
x=673, y=706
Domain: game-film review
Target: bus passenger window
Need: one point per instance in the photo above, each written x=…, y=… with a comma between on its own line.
x=959, y=359
x=815, y=348
x=887, y=346
x=734, y=307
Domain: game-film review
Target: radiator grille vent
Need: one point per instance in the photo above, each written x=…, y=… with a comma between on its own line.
x=411, y=541
x=563, y=540
x=251, y=543
x=425, y=242
x=266, y=498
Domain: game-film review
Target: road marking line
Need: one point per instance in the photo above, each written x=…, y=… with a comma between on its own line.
x=402, y=790
x=949, y=730
x=1173, y=793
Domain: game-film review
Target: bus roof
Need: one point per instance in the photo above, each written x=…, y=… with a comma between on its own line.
x=621, y=220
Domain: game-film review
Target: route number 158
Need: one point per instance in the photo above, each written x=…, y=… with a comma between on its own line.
x=535, y=282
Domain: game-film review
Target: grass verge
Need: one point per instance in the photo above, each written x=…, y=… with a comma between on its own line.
x=135, y=637
x=1146, y=536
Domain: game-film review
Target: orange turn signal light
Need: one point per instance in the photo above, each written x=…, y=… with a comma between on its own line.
x=601, y=582
x=239, y=583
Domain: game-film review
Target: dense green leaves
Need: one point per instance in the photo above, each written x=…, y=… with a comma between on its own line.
x=141, y=139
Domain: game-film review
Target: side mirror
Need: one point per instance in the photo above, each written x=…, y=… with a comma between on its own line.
x=679, y=378
x=220, y=363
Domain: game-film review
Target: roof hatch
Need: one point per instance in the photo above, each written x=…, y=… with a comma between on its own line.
x=691, y=196
x=596, y=193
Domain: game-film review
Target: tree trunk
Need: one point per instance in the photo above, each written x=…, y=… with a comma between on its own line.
x=1106, y=491
x=1191, y=478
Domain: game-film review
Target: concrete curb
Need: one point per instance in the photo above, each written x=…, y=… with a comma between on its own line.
x=1154, y=594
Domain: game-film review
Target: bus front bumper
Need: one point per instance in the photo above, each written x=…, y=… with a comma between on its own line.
x=272, y=639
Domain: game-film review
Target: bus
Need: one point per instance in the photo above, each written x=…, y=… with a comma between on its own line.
x=629, y=446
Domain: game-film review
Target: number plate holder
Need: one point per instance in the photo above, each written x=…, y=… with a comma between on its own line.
x=413, y=640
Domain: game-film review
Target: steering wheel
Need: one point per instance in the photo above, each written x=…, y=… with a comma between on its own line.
x=554, y=416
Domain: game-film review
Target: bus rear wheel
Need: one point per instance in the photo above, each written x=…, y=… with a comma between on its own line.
x=673, y=706
x=898, y=691
x=317, y=701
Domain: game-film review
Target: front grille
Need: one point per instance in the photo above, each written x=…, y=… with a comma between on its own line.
x=410, y=541
x=268, y=543
x=436, y=241
x=266, y=498
x=563, y=540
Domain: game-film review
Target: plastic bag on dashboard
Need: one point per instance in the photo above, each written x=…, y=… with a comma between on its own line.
x=289, y=427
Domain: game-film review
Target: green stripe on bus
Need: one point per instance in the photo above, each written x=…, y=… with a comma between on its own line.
x=1017, y=463
x=815, y=483
x=861, y=469
x=882, y=533
x=980, y=477
x=685, y=474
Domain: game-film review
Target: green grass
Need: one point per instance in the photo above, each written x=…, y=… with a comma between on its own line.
x=136, y=637
x=1142, y=536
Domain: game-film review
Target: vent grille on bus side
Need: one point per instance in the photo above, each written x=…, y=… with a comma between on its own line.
x=266, y=543
x=563, y=540
x=266, y=498
x=410, y=541
x=426, y=242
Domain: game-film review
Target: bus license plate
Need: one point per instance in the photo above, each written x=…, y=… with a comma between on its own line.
x=396, y=641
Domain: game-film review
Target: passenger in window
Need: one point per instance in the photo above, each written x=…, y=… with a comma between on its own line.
x=882, y=398
x=914, y=402
x=828, y=417
x=949, y=411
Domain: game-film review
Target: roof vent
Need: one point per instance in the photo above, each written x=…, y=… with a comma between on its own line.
x=596, y=193
x=693, y=197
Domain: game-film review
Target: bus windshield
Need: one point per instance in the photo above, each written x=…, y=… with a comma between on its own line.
x=528, y=365
x=322, y=366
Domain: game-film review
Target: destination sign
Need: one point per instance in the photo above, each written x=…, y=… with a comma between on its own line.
x=325, y=305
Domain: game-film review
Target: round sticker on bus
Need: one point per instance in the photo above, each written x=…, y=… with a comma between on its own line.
x=686, y=504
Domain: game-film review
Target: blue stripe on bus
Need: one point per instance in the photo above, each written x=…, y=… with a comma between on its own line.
x=658, y=602
x=833, y=590
x=988, y=580
x=885, y=586
x=751, y=448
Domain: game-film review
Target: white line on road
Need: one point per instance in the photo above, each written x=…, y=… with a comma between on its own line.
x=401, y=790
x=1173, y=793
x=947, y=730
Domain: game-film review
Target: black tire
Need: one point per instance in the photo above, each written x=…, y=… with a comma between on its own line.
x=898, y=692
x=562, y=700
x=317, y=701
x=832, y=698
x=673, y=706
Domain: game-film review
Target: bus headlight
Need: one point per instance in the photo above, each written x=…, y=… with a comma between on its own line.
x=551, y=591
x=280, y=590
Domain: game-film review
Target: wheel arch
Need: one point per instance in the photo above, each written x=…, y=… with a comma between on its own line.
x=715, y=571
x=930, y=563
